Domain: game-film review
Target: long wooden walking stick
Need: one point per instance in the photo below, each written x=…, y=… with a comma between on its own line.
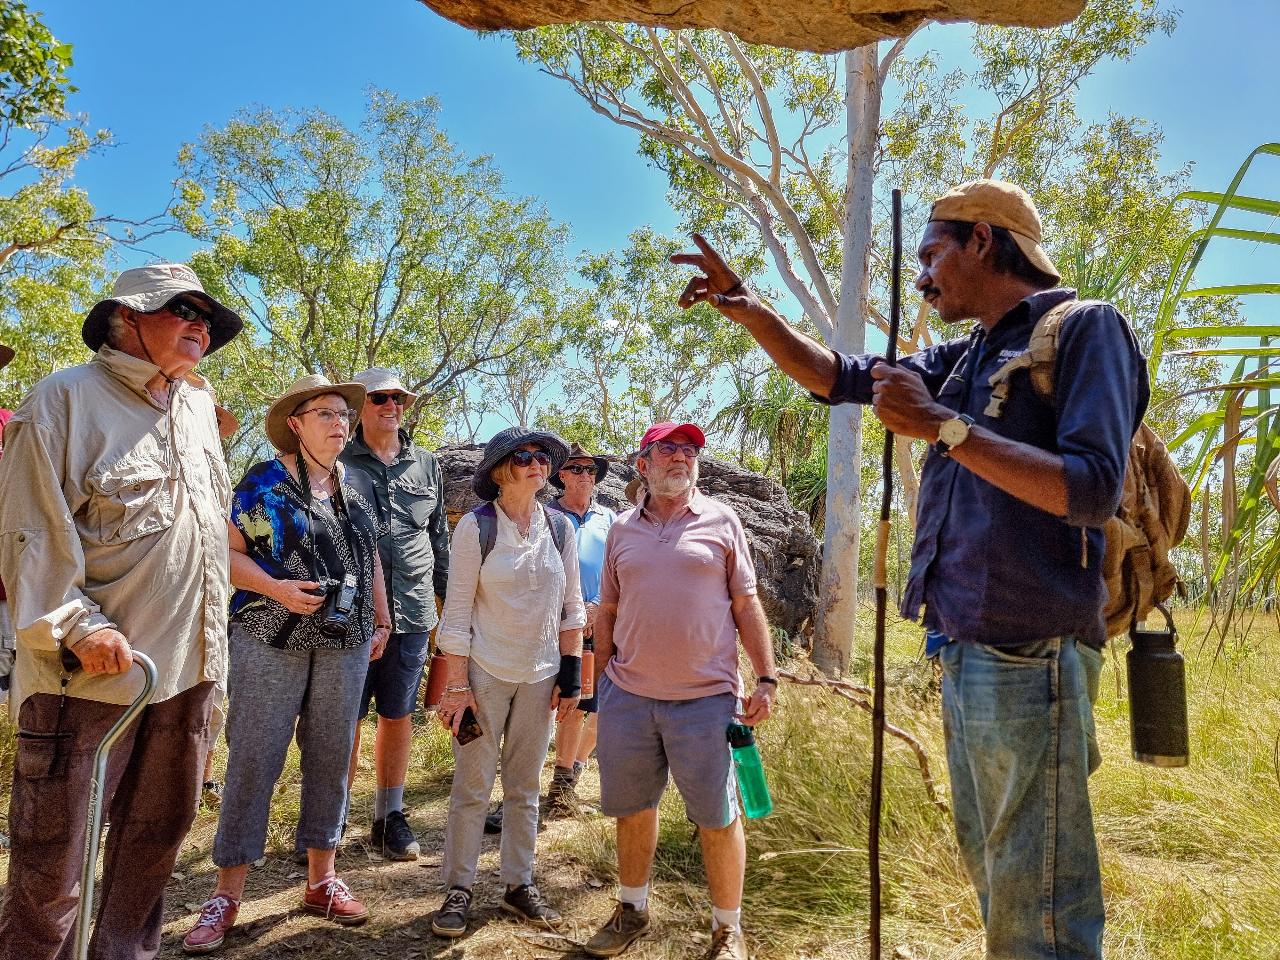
x=881, y=579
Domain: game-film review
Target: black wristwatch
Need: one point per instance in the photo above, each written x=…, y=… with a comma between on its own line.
x=760, y=680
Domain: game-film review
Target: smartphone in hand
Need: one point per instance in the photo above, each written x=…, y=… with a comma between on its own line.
x=469, y=729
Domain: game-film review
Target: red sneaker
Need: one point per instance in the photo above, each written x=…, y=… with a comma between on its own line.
x=217, y=916
x=332, y=899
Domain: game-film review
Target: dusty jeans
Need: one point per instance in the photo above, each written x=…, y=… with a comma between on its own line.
x=153, y=782
x=1016, y=721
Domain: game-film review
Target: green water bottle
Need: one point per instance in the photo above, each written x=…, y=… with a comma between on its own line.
x=756, y=801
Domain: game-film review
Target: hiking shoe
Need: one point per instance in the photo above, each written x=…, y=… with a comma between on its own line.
x=622, y=929
x=451, y=919
x=211, y=794
x=393, y=837
x=727, y=944
x=562, y=800
x=332, y=899
x=217, y=916
x=526, y=903
x=493, y=822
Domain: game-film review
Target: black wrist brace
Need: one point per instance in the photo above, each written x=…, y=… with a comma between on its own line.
x=569, y=679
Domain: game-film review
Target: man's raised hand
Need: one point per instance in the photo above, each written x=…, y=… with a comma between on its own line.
x=718, y=285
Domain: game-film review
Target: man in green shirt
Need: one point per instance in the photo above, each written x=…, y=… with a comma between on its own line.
x=415, y=562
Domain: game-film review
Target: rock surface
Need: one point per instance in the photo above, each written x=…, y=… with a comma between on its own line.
x=823, y=26
x=784, y=549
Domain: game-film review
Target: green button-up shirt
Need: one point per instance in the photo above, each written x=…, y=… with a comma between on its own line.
x=415, y=551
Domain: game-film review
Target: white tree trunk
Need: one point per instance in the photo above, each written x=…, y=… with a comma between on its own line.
x=838, y=588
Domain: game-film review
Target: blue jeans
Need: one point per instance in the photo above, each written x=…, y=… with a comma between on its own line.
x=1016, y=721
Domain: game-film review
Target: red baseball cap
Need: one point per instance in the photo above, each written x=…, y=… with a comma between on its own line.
x=660, y=431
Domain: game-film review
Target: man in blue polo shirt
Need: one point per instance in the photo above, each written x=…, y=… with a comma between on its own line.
x=1006, y=569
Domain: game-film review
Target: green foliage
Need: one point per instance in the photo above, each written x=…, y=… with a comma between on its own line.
x=33, y=68
x=350, y=248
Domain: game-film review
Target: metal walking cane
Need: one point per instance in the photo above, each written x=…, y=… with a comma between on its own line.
x=93, y=830
x=881, y=582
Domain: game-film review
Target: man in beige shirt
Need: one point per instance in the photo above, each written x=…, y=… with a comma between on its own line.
x=113, y=504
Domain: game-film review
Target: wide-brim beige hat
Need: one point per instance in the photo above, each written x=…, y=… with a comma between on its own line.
x=382, y=380
x=147, y=289
x=302, y=390
x=1000, y=204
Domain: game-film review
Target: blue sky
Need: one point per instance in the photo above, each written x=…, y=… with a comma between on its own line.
x=157, y=73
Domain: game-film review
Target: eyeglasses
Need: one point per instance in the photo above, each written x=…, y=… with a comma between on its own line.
x=381, y=397
x=185, y=311
x=667, y=449
x=522, y=458
x=579, y=468
x=329, y=417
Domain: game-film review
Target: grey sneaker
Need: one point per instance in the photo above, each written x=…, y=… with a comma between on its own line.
x=451, y=919
x=527, y=903
x=622, y=929
x=727, y=944
x=393, y=837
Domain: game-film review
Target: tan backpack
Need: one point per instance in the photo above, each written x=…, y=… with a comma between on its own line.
x=1155, y=507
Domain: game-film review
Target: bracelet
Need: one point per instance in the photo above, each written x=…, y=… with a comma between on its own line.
x=382, y=626
x=466, y=689
x=737, y=286
x=766, y=679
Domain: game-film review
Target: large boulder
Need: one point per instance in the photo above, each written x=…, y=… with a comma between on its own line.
x=783, y=546
x=823, y=26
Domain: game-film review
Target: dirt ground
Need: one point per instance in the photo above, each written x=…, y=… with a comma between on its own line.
x=402, y=896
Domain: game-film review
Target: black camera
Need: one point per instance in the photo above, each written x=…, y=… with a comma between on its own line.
x=339, y=600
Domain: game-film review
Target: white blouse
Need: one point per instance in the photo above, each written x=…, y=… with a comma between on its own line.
x=508, y=614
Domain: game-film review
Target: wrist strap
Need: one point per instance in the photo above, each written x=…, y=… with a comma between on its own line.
x=569, y=680
x=766, y=679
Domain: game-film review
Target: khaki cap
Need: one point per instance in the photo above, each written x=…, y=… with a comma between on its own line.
x=999, y=204
x=302, y=390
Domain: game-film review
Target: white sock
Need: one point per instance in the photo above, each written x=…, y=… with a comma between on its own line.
x=638, y=897
x=726, y=918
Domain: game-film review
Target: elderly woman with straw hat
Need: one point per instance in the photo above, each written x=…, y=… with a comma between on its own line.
x=309, y=614
x=512, y=635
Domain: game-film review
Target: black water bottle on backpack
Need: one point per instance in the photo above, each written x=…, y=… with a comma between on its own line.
x=1157, y=696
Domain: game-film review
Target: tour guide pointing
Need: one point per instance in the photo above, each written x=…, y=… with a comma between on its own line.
x=1011, y=507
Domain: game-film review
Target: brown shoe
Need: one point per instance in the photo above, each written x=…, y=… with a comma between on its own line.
x=622, y=929
x=333, y=900
x=727, y=944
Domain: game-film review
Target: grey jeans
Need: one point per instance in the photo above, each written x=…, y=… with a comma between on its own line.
x=269, y=690
x=519, y=715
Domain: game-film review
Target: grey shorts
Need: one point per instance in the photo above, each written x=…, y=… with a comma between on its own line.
x=640, y=740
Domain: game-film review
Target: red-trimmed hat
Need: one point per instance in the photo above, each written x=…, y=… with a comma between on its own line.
x=660, y=431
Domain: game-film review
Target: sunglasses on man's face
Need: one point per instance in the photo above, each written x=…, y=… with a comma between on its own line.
x=522, y=458
x=185, y=311
x=579, y=468
x=668, y=449
x=380, y=397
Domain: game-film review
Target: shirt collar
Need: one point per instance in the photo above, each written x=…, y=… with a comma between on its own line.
x=1032, y=307
x=134, y=372
x=357, y=442
x=696, y=505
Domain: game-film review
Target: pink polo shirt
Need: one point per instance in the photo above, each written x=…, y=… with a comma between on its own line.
x=674, y=636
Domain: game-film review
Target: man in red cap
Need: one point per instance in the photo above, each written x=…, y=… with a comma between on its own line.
x=677, y=592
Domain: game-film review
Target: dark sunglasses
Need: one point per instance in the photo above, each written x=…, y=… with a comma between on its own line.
x=579, y=468
x=185, y=311
x=381, y=397
x=522, y=458
x=667, y=449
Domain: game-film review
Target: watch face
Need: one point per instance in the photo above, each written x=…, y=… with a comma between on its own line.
x=953, y=432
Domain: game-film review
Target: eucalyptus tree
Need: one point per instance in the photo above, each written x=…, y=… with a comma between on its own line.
x=348, y=248
x=778, y=151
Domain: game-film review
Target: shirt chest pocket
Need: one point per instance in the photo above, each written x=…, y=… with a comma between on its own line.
x=128, y=501
x=417, y=502
x=220, y=479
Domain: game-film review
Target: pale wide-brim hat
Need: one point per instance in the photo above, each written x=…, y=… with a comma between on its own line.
x=1000, y=204
x=302, y=390
x=382, y=380
x=147, y=289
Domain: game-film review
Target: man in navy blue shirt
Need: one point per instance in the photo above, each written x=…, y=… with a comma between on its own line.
x=1006, y=569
